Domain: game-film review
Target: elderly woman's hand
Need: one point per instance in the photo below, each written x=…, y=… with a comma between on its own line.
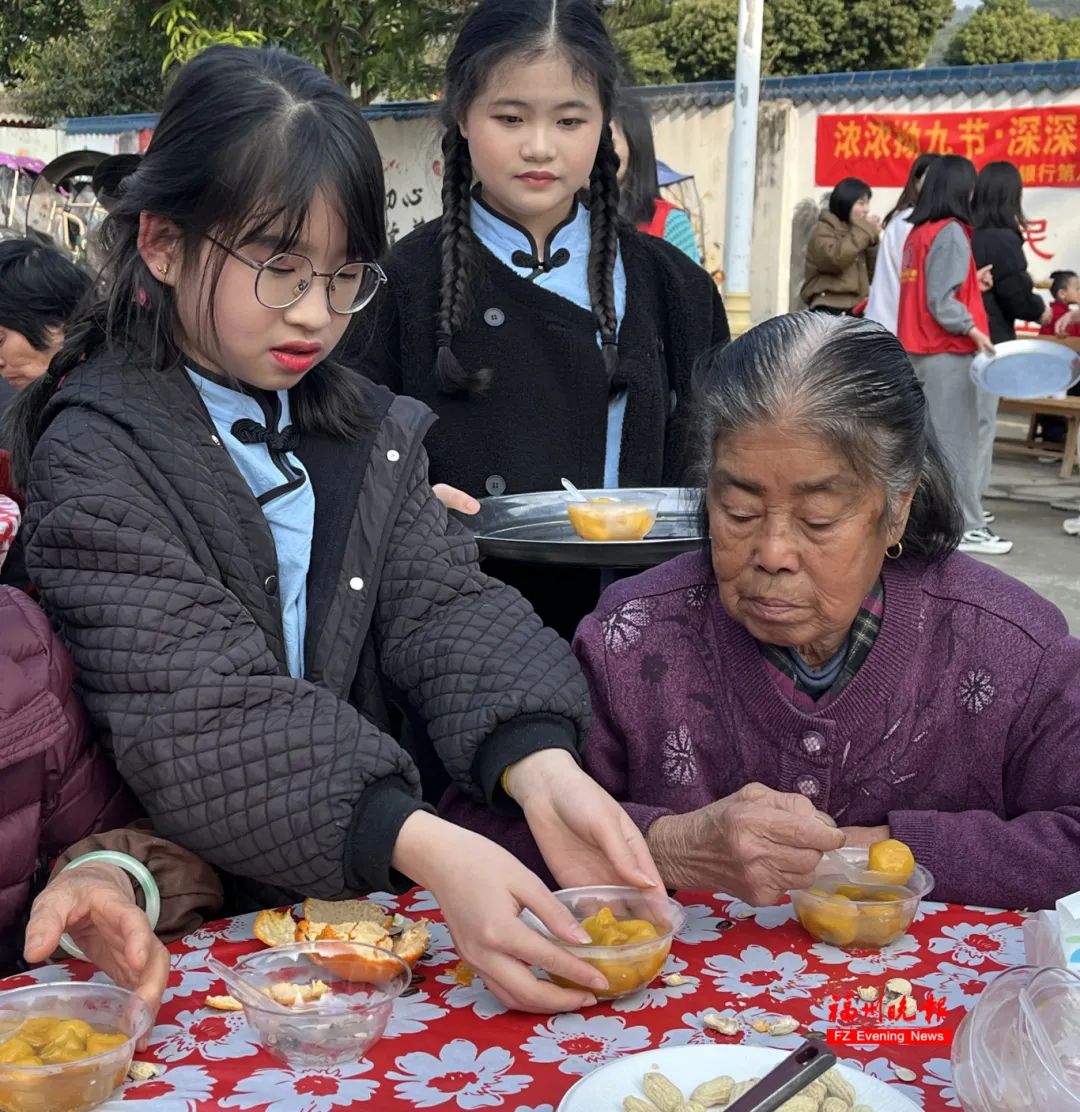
x=756, y=844
x=96, y=906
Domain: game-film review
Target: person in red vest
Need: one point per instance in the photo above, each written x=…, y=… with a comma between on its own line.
x=942, y=323
x=640, y=202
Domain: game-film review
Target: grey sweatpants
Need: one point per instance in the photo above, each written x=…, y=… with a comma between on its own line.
x=988, y=406
x=955, y=409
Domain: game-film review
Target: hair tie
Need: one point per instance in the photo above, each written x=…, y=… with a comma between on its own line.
x=443, y=338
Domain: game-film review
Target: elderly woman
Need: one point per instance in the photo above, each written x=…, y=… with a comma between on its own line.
x=830, y=654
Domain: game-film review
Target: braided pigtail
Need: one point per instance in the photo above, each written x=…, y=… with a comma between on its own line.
x=604, y=245
x=460, y=266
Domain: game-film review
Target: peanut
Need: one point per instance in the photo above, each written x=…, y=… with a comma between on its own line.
x=839, y=1087
x=714, y=1092
x=835, y=1104
x=661, y=1092
x=636, y=1104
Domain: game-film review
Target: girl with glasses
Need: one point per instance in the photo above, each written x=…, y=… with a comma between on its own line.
x=239, y=544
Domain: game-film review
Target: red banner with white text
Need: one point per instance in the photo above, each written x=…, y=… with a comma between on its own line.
x=1044, y=144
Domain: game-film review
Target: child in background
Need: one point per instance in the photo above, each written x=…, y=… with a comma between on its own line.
x=1064, y=305
x=640, y=202
x=550, y=338
x=238, y=542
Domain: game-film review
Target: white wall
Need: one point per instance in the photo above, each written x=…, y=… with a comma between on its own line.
x=693, y=140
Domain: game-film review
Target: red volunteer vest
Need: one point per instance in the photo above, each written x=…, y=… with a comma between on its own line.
x=655, y=226
x=916, y=327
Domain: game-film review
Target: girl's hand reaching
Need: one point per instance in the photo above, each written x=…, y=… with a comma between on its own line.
x=481, y=889
x=586, y=837
x=454, y=499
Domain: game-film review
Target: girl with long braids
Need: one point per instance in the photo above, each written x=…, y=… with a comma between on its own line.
x=550, y=338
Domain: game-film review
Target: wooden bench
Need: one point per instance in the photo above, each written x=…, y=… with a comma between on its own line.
x=1068, y=408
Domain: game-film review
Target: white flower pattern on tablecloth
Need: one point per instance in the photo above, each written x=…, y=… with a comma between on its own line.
x=422, y=901
x=900, y=954
x=477, y=996
x=975, y=691
x=234, y=930
x=959, y=985
x=927, y=908
x=658, y=995
x=194, y=978
x=677, y=760
x=580, y=1043
x=767, y=917
x=702, y=925
x=460, y=1074
x=939, y=1074
x=695, y=1033
x=216, y=1036
x=312, y=1090
x=412, y=1014
x=622, y=628
x=160, y=1094
x=976, y=943
x=440, y=948
x=758, y=971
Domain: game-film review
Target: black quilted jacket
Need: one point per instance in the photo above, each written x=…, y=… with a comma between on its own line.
x=152, y=554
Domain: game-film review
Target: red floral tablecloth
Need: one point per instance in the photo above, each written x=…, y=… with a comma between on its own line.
x=451, y=1046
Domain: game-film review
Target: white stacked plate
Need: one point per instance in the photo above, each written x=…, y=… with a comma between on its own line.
x=1027, y=369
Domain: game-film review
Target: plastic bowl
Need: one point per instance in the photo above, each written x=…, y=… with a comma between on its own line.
x=71, y=1086
x=859, y=915
x=613, y=516
x=628, y=967
x=364, y=981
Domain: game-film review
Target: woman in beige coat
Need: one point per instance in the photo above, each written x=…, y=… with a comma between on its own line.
x=842, y=249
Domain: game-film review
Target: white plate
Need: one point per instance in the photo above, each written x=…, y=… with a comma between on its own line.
x=1027, y=369
x=688, y=1066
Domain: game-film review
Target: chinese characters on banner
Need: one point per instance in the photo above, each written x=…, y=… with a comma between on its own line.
x=1043, y=143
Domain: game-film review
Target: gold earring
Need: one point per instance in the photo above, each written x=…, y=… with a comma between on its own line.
x=899, y=546
x=163, y=269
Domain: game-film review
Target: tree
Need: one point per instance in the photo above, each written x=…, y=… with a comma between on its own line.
x=1006, y=31
x=801, y=36
x=84, y=57
x=635, y=25
x=374, y=47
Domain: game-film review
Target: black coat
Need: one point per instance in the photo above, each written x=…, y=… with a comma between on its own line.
x=1013, y=297
x=155, y=559
x=546, y=413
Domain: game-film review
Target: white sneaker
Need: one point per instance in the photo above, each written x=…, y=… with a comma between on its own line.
x=988, y=517
x=1072, y=526
x=985, y=543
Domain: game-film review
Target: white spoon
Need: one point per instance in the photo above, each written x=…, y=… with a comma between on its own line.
x=573, y=491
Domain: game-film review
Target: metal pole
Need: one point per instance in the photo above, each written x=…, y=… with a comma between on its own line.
x=742, y=167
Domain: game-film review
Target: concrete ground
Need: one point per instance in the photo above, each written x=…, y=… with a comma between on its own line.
x=1031, y=502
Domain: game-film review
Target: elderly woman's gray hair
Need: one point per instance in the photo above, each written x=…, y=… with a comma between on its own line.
x=849, y=382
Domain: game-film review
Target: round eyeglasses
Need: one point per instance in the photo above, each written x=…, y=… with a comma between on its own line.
x=283, y=279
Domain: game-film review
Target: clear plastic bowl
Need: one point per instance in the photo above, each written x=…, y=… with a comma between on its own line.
x=363, y=980
x=71, y=1086
x=871, y=916
x=1018, y=1049
x=614, y=515
x=629, y=967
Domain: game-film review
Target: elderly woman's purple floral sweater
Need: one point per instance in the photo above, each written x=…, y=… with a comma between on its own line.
x=961, y=730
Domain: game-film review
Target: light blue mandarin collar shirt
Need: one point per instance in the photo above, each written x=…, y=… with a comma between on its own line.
x=282, y=488
x=561, y=265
